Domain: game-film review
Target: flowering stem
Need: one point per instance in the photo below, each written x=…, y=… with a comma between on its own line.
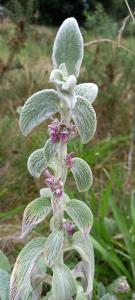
x=61, y=173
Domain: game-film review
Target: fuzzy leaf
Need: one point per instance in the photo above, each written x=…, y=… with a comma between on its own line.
x=37, y=162
x=27, y=293
x=87, y=90
x=82, y=174
x=68, y=47
x=4, y=285
x=85, y=119
x=63, y=283
x=35, y=213
x=39, y=107
x=50, y=149
x=45, y=192
x=70, y=84
x=81, y=214
x=81, y=296
x=53, y=246
x=20, y=278
x=85, y=248
x=4, y=262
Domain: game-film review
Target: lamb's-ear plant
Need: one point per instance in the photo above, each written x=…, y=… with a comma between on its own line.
x=75, y=115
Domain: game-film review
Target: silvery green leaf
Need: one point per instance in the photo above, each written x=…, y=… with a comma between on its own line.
x=39, y=107
x=70, y=84
x=84, y=247
x=4, y=284
x=63, y=68
x=21, y=274
x=81, y=214
x=57, y=77
x=50, y=149
x=37, y=162
x=66, y=198
x=45, y=192
x=78, y=273
x=37, y=292
x=27, y=293
x=41, y=265
x=63, y=283
x=82, y=174
x=37, y=280
x=81, y=296
x=4, y=262
x=35, y=213
x=68, y=47
x=53, y=164
x=84, y=117
x=53, y=247
x=87, y=90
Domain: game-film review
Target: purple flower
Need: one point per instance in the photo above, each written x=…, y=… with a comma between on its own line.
x=73, y=130
x=69, y=158
x=64, y=136
x=50, y=180
x=69, y=227
x=55, y=185
x=54, y=131
x=61, y=132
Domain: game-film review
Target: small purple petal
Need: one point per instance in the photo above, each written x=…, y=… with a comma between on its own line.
x=47, y=173
x=69, y=158
x=69, y=227
x=64, y=136
x=58, y=192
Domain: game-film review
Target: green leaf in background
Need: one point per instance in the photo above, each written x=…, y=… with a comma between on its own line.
x=4, y=262
x=87, y=90
x=63, y=283
x=50, y=149
x=111, y=257
x=4, y=285
x=84, y=117
x=21, y=274
x=35, y=213
x=68, y=47
x=81, y=214
x=37, y=163
x=133, y=207
x=39, y=107
x=53, y=247
x=82, y=174
x=103, y=208
x=124, y=229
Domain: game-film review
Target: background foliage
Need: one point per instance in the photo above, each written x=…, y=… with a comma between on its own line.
x=53, y=12
x=112, y=198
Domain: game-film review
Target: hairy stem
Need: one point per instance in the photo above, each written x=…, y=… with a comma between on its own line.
x=61, y=173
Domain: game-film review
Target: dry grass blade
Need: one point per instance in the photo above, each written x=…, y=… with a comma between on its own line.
x=121, y=30
x=106, y=40
x=130, y=11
